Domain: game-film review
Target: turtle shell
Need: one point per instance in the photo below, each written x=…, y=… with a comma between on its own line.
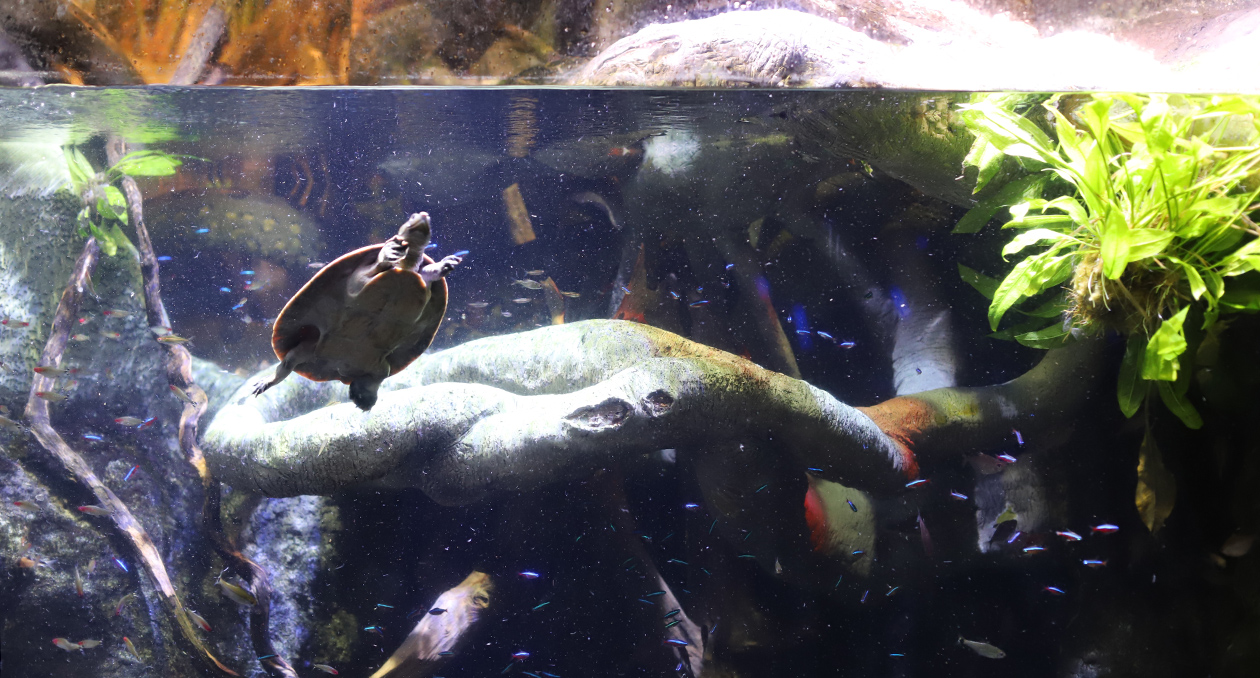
x=357, y=320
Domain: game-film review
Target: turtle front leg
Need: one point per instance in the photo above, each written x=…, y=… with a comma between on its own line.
x=438, y=270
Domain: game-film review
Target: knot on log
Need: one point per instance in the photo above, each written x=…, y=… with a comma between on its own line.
x=609, y=414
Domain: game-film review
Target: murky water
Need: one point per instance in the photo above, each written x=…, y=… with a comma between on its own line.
x=804, y=232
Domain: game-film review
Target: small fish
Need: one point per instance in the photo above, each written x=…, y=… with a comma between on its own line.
x=698, y=304
x=325, y=668
x=162, y=331
x=132, y=649
x=92, y=437
x=1105, y=528
x=958, y=495
x=1007, y=458
x=671, y=613
x=529, y=575
x=1018, y=436
x=225, y=290
x=478, y=304
x=88, y=644
x=528, y=284
x=52, y=396
x=239, y=305
x=730, y=266
x=115, y=313
x=983, y=649
x=437, y=610
x=571, y=295
x=315, y=265
x=164, y=257
x=1068, y=535
x=1015, y=536
x=182, y=395
x=390, y=607
x=1053, y=590
x=54, y=372
x=95, y=510
x=445, y=653
x=1090, y=562
x=201, y=231
x=676, y=561
x=520, y=655
x=675, y=641
x=847, y=344
x=852, y=505
x=917, y=483
x=626, y=289
x=891, y=591
x=65, y=644
x=9, y=322
x=85, y=320
x=521, y=300
x=1034, y=549
x=535, y=272
x=247, y=273
x=238, y=594
x=78, y=582
x=540, y=606
x=122, y=602
x=691, y=506
x=824, y=335
x=121, y=565
x=128, y=476
x=129, y=421
x=1237, y=545
x=80, y=337
x=506, y=314
x=461, y=254
x=430, y=246
x=111, y=335
x=674, y=623
x=197, y=620
x=28, y=506
x=857, y=552
x=804, y=332
x=378, y=630
x=147, y=422
x=9, y=423
x=173, y=339
x=675, y=295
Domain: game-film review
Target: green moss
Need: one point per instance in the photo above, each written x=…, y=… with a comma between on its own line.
x=335, y=641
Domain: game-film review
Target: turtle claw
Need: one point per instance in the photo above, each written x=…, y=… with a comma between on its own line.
x=439, y=269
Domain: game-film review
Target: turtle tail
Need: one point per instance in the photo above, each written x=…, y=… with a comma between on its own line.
x=363, y=392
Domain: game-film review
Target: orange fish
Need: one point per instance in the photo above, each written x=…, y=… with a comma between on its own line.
x=66, y=645
x=95, y=510
x=132, y=649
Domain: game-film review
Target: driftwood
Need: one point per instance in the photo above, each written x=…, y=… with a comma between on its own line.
x=119, y=515
x=421, y=653
x=179, y=375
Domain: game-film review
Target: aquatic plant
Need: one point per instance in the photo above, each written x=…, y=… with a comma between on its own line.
x=1143, y=207
x=104, y=206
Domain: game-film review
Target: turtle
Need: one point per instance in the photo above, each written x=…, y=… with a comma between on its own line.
x=365, y=316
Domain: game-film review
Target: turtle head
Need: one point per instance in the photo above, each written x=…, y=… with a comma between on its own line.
x=415, y=234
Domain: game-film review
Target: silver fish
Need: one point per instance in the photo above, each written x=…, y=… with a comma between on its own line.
x=528, y=284
x=983, y=649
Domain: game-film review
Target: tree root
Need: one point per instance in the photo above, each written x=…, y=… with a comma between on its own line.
x=599, y=391
x=126, y=524
x=179, y=375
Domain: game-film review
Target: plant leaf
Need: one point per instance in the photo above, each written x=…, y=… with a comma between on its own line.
x=1131, y=388
x=104, y=240
x=1156, y=486
x=117, y=203
x=1114, y=245
x=1179, y=405
x=1019, y=190
x=1054, y=336
x=981, y=282
x=1030, y=276
x=147, y=164
x=1165, y=347
x=1147, y=242
x=1035, y=236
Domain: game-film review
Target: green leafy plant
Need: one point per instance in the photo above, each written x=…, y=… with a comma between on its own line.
x=1143, y=207
x=104, y=206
